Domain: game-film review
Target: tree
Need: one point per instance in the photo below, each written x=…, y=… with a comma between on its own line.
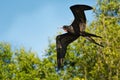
x=24, y=65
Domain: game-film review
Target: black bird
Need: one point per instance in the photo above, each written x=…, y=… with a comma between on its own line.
x=76, y=29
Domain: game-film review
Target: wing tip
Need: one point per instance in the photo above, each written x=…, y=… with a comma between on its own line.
x=81, y=7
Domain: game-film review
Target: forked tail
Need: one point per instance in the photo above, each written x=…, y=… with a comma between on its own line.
x=89, y=35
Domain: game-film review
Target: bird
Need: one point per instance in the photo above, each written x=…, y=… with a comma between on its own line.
x=73, y=31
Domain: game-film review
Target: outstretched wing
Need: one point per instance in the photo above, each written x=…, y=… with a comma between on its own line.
x=62, y=41
x=79, y=15
x=79, y=22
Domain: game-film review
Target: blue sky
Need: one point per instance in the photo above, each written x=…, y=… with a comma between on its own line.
x=30, y=23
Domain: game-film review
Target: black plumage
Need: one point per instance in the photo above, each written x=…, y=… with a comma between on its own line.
x=76, y=29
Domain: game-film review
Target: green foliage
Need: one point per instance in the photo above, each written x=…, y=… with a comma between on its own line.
x=24, y=65
x=84, y=60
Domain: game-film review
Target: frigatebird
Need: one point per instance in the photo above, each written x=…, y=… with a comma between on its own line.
x=76, y=29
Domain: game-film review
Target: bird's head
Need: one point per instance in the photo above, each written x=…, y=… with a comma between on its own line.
x=65, y=28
